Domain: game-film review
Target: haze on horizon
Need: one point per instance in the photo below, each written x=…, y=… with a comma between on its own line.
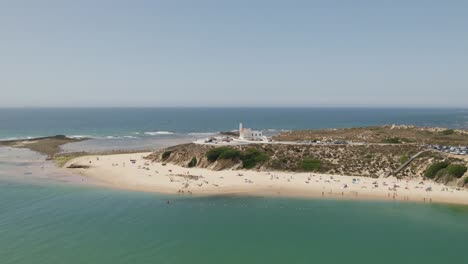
x=234, y=53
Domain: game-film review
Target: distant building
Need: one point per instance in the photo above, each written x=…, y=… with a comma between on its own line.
x=248, y=134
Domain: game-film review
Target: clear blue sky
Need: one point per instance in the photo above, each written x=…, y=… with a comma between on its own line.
x=234, y=53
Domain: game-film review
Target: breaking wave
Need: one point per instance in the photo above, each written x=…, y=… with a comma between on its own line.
x=81, y=136
x=11, y=138
x=202, y=133
x=159, y=133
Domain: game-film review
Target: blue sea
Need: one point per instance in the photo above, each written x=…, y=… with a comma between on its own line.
x=148, y=122
x=44, y=220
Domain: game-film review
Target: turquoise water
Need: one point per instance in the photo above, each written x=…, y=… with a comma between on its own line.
x=63, y=224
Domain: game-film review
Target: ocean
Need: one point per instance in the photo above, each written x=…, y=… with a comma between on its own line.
x=48, y=221
x=162, y=122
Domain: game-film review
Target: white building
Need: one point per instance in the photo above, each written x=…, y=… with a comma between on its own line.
x=248, y=134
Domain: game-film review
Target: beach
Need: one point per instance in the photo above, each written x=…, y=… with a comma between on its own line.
x=118, y=171
x=116, y=211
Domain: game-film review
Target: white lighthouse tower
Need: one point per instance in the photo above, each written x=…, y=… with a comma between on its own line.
x=248, y=134
x=241, y=132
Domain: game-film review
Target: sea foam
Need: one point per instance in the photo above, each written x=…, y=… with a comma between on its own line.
x=159, y=133
x=202, y=133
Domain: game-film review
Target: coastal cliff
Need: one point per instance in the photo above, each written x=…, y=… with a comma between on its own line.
x=353, y=160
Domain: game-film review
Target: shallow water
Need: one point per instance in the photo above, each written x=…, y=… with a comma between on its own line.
x=67, y=224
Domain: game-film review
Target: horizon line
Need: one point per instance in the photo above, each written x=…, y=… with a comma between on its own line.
x=290, y=107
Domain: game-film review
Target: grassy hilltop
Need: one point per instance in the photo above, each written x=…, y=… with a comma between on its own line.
x=382, y=134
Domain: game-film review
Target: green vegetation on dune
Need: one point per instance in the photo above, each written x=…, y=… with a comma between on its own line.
x=309, y=164
x=392, y=140
x=443, y=176
x=250, y=157
x=193, y=162
x=448, y=132
x=213, y=154
x=440, y=170
x=404, y=158
x=433, y=169
x=456, y=170
x=230, y=153
x=166, y=154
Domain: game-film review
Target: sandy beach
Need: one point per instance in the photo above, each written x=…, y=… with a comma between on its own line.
x=118, y=171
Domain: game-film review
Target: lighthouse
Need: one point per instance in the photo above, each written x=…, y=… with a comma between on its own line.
x=248, y=134
x=241, y=127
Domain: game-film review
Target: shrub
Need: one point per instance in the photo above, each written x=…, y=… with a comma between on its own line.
x=404, y=158
x=192, y=163
x=447, y=132
x=223, y=153
x=230, y=154
x=252, y=156
x=444, y=176
x=278, y=164
x=166, y=154
x=433, y=169
x=465, y=180
x=441, y=173
x=213, y=154
x=456, y=170
x=392, y=140
x=310, y=164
